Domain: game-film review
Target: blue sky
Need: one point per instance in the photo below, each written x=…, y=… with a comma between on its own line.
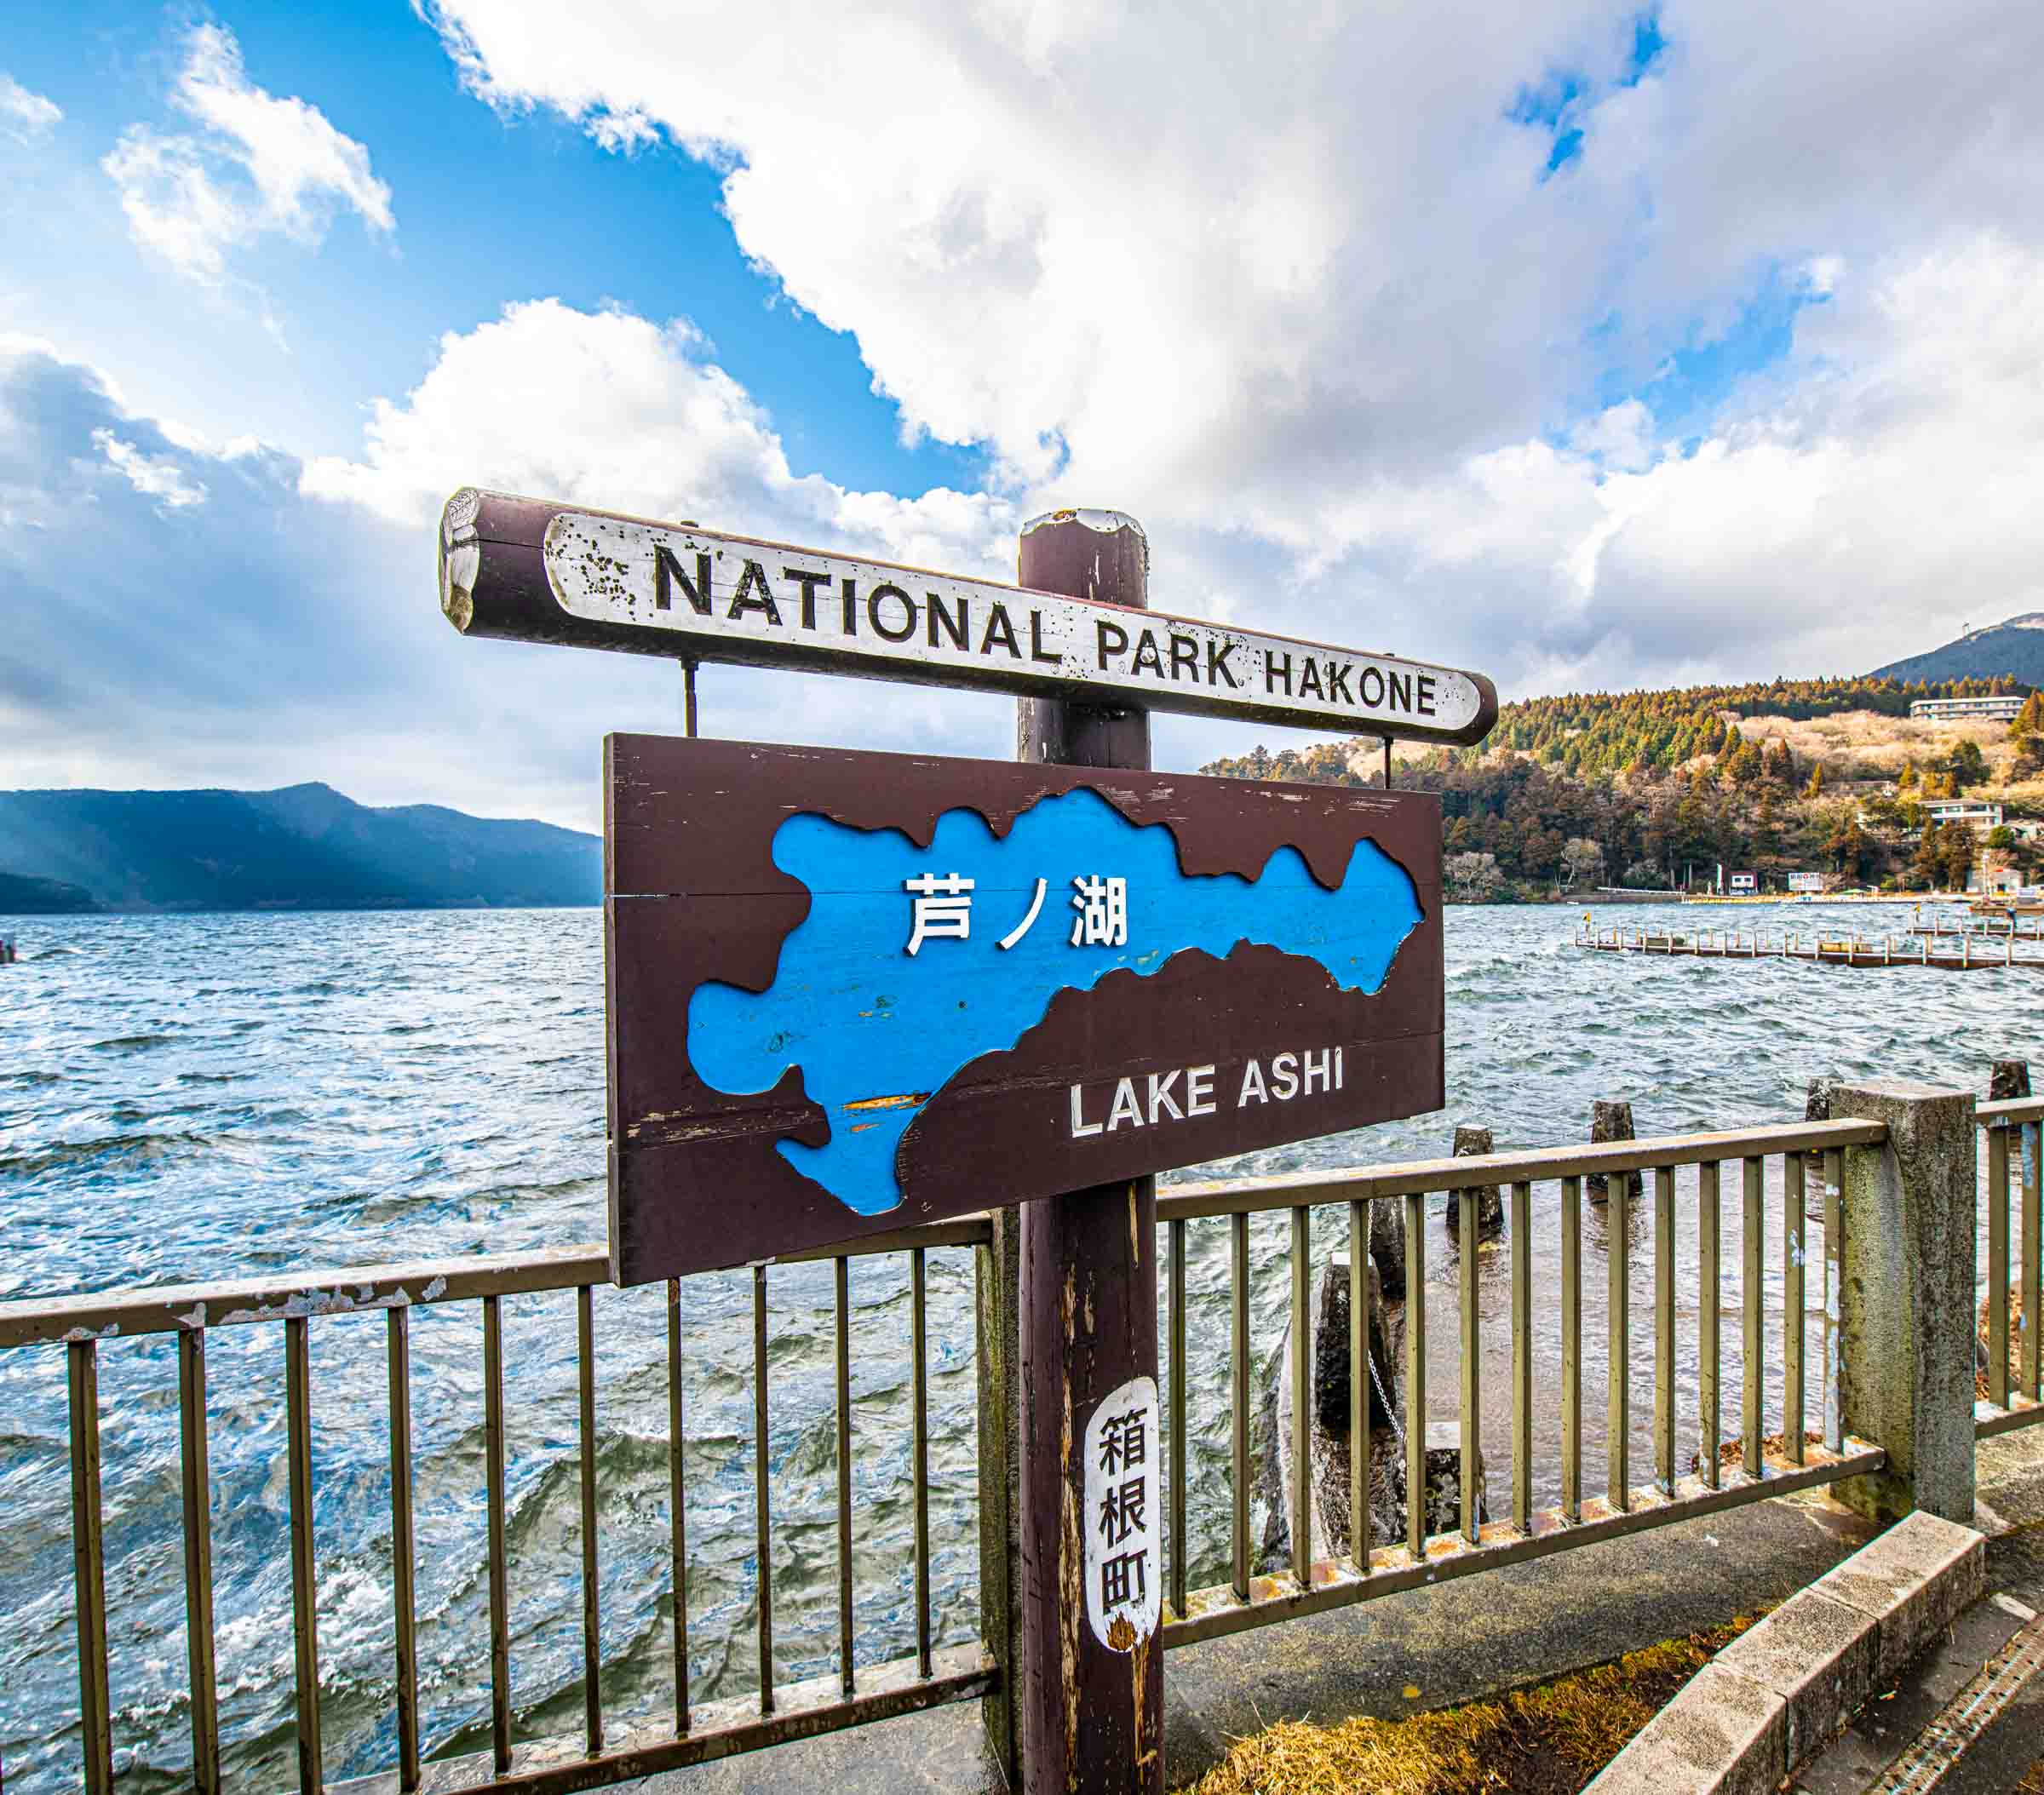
x=490, y=209
x=1585, y=344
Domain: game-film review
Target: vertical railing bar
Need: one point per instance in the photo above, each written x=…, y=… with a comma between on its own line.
x=1997, y=1266
x=1179, y=1408
x=1571, y=1349
x=1359, y=1385
x=197, y=1491
x=1664, y=1328
x=89, y=1566
x=403, y=1551
x=499, y=1591
x=847, y=1671
x=592, y=1612
x=1618, y=1301
x=1794, y=1304
x=1300, y=1371
x=1834, y=1394
x=1522, y=1356
x=2033, y=1264
x=1416, y=1375
x=1472, y=1443
x=920, y=1380
x=677, y=1510
x=1239, y=1346
x=305, y=1620
x=1709, y=1420
x=1753, y=1375
x=762, y=1511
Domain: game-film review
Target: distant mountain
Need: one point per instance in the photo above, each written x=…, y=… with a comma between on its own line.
x=2012, y=649
x=21, y=896
x=301, y=848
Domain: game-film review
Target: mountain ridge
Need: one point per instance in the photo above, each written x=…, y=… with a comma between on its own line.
x=2012, y=649
x=304, y=846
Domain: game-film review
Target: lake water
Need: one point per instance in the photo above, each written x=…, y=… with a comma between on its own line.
x=185, y=1099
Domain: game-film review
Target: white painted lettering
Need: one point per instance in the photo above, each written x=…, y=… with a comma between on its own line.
x=1285, y=1077
x=1252, y=1091
x=1337, y=1069
x=1160, y=1097
x=1126, y=1107
x=1319, y=1068
x=1078, y=1127
x=1199, y=1091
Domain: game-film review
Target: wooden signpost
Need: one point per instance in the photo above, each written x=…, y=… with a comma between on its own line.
x=850, y=992
x=533, y=571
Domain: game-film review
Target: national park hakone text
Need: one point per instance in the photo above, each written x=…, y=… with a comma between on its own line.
x=818, y=601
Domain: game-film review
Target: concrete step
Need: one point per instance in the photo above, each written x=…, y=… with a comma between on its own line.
x=1965, y=1718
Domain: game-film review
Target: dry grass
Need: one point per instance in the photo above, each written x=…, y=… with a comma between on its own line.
x=1732, y=1453
x=1864, y=739
x=2033, y=1779
x=1547, y=1740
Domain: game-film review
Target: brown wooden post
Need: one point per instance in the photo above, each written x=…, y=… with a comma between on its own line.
x=1092, y=1711
x=1611, y=1120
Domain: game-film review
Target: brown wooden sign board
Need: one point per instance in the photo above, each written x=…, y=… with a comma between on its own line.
x=850, y=992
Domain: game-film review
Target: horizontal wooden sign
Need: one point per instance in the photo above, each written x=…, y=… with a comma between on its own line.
x=852, y=992
x=534, y=571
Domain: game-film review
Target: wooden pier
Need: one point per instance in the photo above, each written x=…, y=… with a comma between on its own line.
x=1947, y=948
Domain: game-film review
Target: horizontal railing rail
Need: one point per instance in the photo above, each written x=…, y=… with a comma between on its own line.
x=349, y=1289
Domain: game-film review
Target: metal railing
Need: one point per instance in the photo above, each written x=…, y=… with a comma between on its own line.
x=1369, y=1569
x=1767, y=1461
x=2012, y=1127
x=856, y=1694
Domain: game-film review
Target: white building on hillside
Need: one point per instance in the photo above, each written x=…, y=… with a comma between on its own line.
x=1975, y=813
x=2004, y=708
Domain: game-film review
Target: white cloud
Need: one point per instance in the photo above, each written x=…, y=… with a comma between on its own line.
x=285, y=624
x=27, y=116
x=259, y=164
x=611, y=410
x=154, y=476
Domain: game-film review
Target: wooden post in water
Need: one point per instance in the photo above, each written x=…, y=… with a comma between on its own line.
x=1612, y=1121
x=1472, y=1140
x=1092, y=1697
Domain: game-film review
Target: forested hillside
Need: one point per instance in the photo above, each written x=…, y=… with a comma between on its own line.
x=1647, y=788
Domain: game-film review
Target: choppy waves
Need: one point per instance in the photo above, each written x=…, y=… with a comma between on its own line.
x=186, y=1099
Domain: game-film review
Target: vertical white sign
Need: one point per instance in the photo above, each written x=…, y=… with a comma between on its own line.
x=1124, y=1559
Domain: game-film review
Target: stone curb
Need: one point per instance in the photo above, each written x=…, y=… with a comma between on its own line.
x=1779, y=1694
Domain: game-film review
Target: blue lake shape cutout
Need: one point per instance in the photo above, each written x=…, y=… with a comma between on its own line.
x=877, y=1032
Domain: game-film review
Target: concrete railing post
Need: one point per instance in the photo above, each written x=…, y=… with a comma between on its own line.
x=1907, y=1298
x=997, y=1277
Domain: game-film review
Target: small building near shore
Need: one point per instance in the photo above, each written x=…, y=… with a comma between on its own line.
x=1975, y=813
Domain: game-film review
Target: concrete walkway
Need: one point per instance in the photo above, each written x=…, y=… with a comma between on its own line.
x=1475, y=1636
